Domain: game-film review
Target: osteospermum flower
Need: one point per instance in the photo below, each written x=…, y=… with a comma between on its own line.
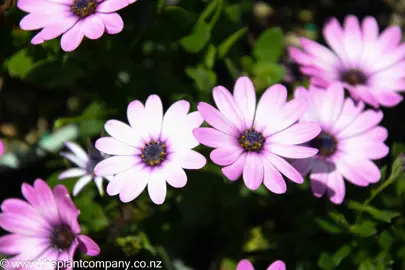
x=73, y=19
x=246, y=265
x=254, y=141
x=86, y=163
x=370, y=66
x=349, y=141
x=44, y=227
x=153, y=150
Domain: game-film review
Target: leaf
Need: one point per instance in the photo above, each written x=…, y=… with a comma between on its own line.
x=386, y=240
x=328, y=227
x=256, y=241
x=233, y=12
x=232, y=68
x=91, y=213
x=365, y=229
x=203, y=78
x=326, y=261
x=383, y=215
x=342, y=253
x=269, y=45
x=268, y=72
x=19, y=64
x=196, y=41
x=227, y=44
x=210, y=56
x=397, y=149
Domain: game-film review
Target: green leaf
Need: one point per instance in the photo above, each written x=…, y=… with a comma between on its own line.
x=386, y=240
x=196, y=41
x=342, y=253
x=268, y=73
x=365, y=229
x=397, y=149
x=204, y=79
x=19, y=64
x=228, y=264
x=233, y=13
x=328, y=227
x=383, y=215
x=227, y=44
x=210, y=56
x=233, y=70
x=269, y=45
x=91, y=213
x=326, y=261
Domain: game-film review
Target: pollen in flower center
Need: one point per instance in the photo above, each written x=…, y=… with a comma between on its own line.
x=154, y=152
x=354, y=77
x=62, y=238
x=84, y=8
x=325, y=143
x=251, y=140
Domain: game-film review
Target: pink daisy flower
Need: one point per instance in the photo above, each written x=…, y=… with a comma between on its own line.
x=73, y=19
x=254, y=141
x=370, y=66
x=44, y=227
x=85, y=170
x=153, y=150
x=349, y=141
x=246, y=265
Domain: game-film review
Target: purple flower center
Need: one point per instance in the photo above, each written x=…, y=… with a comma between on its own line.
x=62, y=238
x=154, y=153
x=84, y=8
x=251, y=140
x=325, y=143
x=354, y=77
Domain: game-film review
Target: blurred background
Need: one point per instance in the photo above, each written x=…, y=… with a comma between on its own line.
x=181, y=49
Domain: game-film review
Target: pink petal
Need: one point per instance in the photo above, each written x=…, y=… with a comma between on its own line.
x=157, y=188
x=332, y=104
x=287, y=115
x=296, y=134
x=116, y=164
x=336, y=187
x=326, y=56
x=74, y=159
x=299, y=56
x=177, y=111
x=112, y=146
x=389, y=39
x=137, y=118
x=284, y=167
x=292, y=151
x=193, y=160
x=353, y=43
x=245, y=97
x=72, y=38
x=319, y=177
x=214, y=138
x=45, y=202
x=81, y=183
x=360, y=147
x=303, y=165
x=33, y=21
x=194, y=119
x=235, y=170
x=227, y=106
x=77, y=150
x=177, y=178
x=129, y=184
x=217, y=120
x=376, y=134
x=253, y=171
x=270, y=102
x=67, y=210
x=348, y=114
x=19, y=224
x=362, y=123
x=88, y=246
x=154, y=111
x=71, y=173
x=57, y=27
x=111, y=5
x=387, y=99
x=277, y=265
x=273, y=180
x=370, y=35
x=93, y=27
x=244, y=265
x=334, y=37
x=123, y=133
x=226, y=156
x=30, y=5
x=112, y=21
x=11, y=244
x=359, y=172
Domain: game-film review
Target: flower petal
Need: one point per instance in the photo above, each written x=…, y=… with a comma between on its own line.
x=284, y=167
x=112, y=146
x=193, y=160
x=57, y=27
x=244, y=265
x=227, y=106
x=130, y=183
x=214, y=138
x=217, y=120
x=253, y=171
x=226, y=156
x=81, y=183
x=292, y=151
x=116, y=164
x=154, y=111
x=362, y=123
x=273, y=180
x=319, y=177
x=157, y=188
x=277, y=265
x=11, y=244
x=112, y=21
x=336, y=187
x=77, y=150
x=235, y=170
x=72, y=38
x=93, y=27
x=67, y=210
x=245, y=97
x=177, y=177
x=111, y=5
x=123, y=133
x=71, y=173
x=88, y=246
x=296, y=134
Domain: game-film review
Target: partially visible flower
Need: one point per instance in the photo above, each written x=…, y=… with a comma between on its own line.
x=73, y=19
x=1, y=148
x=153, y=150
x=370, y=66
x=44, y=227
x=254, y=141
x=246, y=265
x=349, y=141
x=86, y=163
